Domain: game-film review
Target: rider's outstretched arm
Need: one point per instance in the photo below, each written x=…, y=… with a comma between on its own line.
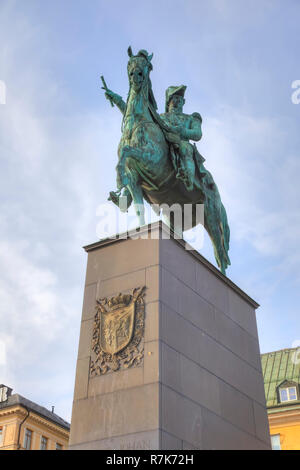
x=117, y=99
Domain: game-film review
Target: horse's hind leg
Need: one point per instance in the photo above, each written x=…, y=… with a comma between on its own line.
x=135, y=190
x=138, y=202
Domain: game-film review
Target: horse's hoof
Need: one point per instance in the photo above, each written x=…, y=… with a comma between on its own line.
x=113, y=197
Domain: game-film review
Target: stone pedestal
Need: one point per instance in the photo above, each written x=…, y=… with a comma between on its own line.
x=197, y=383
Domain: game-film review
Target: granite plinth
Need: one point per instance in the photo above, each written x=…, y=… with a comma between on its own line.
x=200, y=384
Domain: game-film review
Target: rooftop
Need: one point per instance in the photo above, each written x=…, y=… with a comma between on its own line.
x=16, y=399
x=278, y=366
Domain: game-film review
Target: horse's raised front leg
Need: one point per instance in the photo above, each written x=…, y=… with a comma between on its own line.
x=122, y=174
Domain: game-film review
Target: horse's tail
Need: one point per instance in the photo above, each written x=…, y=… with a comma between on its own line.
x=225, y=230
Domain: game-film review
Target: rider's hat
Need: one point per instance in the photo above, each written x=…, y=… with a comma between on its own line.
x=174, y=90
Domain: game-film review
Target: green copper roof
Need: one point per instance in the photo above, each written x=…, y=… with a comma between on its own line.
x=277, y=367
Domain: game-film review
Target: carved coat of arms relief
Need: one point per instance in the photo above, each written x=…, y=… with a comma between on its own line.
x=117, y=332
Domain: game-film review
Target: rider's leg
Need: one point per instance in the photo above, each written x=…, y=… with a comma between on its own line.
x=190, y=173
x=188, y=164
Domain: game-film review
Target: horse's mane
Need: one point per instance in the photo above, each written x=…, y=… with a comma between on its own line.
x=151, y=98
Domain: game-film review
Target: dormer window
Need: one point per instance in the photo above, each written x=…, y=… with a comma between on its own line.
x=288, y=394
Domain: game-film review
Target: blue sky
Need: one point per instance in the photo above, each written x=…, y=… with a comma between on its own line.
x=58, y=143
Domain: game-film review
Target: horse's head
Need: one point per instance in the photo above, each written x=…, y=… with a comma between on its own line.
x=138, y=68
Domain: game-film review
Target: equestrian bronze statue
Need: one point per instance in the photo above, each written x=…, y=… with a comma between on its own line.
x=157, y=162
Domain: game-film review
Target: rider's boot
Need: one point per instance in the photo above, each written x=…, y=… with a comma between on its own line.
x=187, y=175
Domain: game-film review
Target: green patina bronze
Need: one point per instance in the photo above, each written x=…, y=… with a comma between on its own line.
x=156, y=160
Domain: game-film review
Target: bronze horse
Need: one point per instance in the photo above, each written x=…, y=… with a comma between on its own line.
x=145, y=169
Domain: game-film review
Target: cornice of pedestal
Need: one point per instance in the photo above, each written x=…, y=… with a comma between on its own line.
x=162, y=232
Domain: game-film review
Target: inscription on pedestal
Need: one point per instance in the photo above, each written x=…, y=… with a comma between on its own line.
x=117, y=332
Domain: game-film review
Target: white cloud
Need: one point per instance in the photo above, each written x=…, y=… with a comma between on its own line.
x=2, y=352
x=52, y=179
x=258, y=186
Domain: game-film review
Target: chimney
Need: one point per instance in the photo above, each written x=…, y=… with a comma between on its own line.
x=5, y=392
x=52, y=409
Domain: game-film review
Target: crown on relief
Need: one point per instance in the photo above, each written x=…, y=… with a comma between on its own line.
x=121, y=300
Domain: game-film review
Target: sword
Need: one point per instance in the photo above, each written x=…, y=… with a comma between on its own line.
x=104, y=87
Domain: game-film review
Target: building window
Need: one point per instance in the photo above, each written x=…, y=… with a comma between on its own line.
x=288, y=394
x=44, y=442
x=1, y=435
x=275, y=442
x=58, y=446
x=27, y=439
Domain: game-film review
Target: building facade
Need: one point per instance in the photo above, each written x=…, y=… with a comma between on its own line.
x=281, y=371
x=24, y=425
